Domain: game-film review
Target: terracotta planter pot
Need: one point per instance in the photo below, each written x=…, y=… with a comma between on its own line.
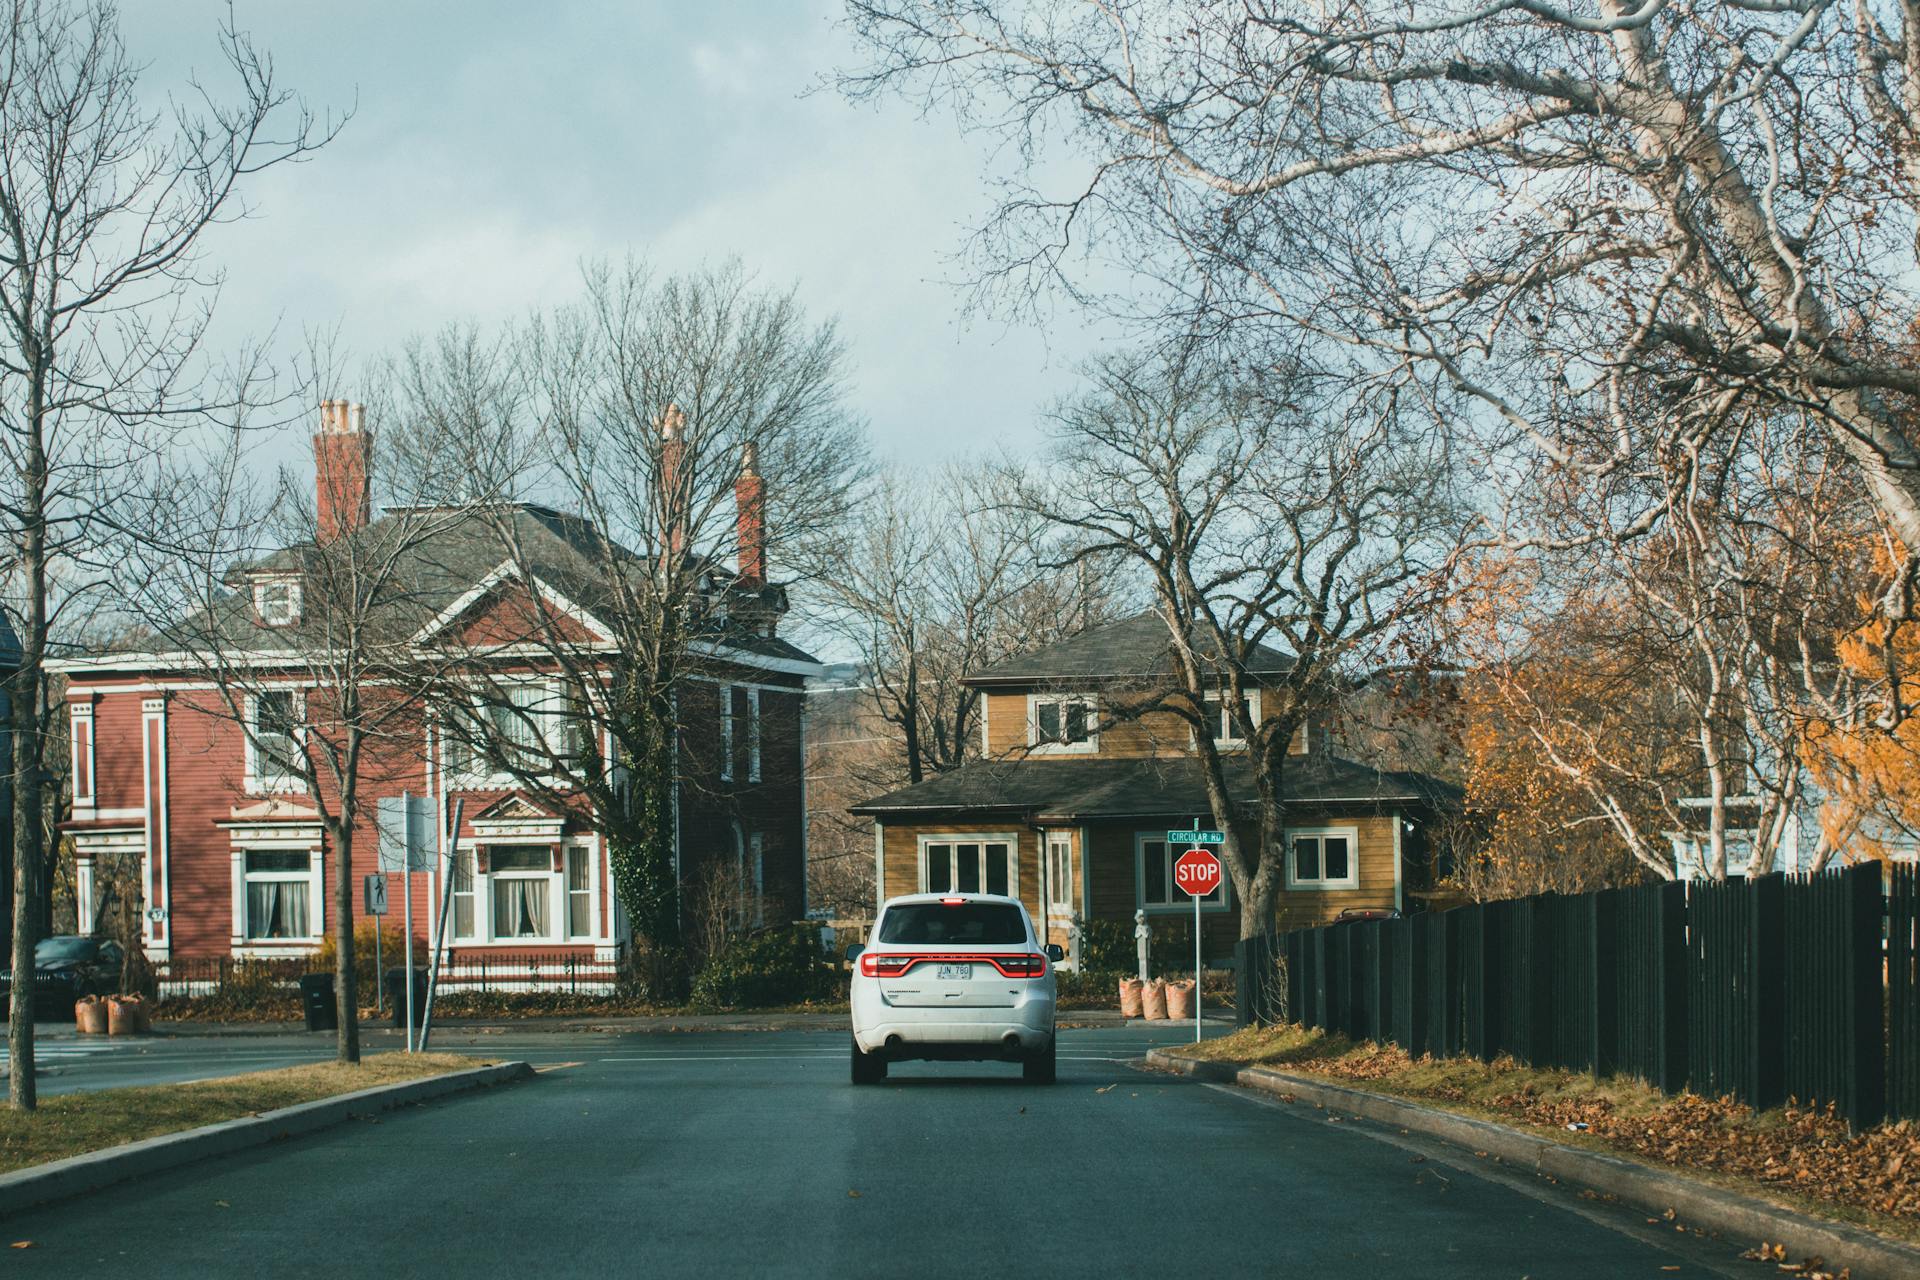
x=90, y=1016
x=1130, y=997
x=1154, y=999
x=1180, y=999
x=126, y=1015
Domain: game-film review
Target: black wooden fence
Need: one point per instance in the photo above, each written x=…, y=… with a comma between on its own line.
x=1805, y=987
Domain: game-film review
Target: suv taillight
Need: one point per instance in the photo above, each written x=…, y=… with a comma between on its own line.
x=879, y=966
x=1027, y=966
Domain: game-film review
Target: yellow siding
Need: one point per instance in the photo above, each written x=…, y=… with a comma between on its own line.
x=903, y=855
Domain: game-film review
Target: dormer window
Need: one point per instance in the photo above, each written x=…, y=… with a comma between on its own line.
x=1062, y=724
x=276, y=603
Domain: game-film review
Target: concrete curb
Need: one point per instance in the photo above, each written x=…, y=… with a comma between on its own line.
x=1738, y=1217
x=26, y=1188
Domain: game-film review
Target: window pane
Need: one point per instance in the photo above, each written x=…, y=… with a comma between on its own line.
x=1153, y=871
x=1306, y=858
x=579, y=915
x=520, y=908
x=273, y=712
x=1335, y=855
x=967, y=870
x=285, y=860
x=1047, y=715
x=742, y=713
x=971, y=924
x=520, y=858
x=939, y=868
x=278, y=909
x=1077, y=718
x=576, y=869
x=463, y=893
x=997, y=869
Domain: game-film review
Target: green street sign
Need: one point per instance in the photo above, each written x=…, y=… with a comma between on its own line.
x=1196, y=837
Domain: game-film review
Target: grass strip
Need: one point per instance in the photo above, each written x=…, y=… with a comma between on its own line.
x=72, y=1124
x=1802, y=1157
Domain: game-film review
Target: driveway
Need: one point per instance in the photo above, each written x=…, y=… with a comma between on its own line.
x=731, y=1153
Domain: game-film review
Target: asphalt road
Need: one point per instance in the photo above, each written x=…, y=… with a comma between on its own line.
x=749, y=1153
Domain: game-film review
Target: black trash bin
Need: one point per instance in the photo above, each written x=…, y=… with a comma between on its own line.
x=396, y=989
x=316, y=997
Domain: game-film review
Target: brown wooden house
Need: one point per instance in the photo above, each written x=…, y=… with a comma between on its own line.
x=1070, y=806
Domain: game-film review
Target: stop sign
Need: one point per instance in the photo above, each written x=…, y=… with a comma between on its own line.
x=1198, y=872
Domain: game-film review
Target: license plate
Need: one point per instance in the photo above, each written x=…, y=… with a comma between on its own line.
x=956, y=973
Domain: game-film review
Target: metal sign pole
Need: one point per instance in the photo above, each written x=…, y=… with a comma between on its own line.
x=406, y=910
x=440, y=932
x=376, y=965
x=1196, y=957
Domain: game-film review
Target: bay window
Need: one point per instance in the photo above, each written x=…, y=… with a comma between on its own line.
x=969, y=865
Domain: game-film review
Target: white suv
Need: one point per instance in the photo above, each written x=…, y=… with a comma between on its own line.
x=953, y=976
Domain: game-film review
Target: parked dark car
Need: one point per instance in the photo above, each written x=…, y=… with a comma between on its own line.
x=1353, y=914
x=66, y=967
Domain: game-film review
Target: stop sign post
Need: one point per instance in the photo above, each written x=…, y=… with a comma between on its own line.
x=1198, y=872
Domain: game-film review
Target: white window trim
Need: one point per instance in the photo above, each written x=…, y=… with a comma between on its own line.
x=1177, y=900
x=727, y=730
x=83, y=755
x=1352, y=880
x=753, y=733
x=483, y=885
x=1009, y=838
x=294, y=603
x=1216, y=702
x=1090, y=747
x=316, y=898
x=256, y=785
x=1059, y=895
x=589, y=852
x=479, y=775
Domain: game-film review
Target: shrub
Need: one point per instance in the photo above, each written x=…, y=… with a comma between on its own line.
x=773, y=967
x=393, y=950
x=1107, y=946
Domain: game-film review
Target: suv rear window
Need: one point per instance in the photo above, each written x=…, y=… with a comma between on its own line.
x=968, y=924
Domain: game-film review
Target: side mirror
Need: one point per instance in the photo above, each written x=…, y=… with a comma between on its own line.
x=853, y=950
x=1055, y=952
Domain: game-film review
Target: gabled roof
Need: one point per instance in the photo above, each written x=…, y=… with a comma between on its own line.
x=1135, y=648
x=450, y=571
x=1068, y=790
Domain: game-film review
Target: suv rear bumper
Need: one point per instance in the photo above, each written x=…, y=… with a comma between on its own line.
x=959, y=1034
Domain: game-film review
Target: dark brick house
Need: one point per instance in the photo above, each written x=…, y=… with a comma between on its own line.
x=232, y=857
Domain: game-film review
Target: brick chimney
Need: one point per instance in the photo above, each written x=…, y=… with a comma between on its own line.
x=343, y=502
x=750, y=506
x=673, y=495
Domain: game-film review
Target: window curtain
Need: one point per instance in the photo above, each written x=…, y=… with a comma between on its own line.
x=278, y=909
x=520, y=909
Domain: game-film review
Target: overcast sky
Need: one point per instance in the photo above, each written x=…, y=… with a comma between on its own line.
x=496, y=144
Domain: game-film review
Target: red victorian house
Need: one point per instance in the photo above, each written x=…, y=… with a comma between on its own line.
x=231, y=855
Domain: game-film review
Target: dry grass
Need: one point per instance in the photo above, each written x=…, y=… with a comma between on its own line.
x=1798, y=1156
x=74, y=1123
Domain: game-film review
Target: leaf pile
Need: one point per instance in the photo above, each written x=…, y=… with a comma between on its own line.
x=1804, y=1150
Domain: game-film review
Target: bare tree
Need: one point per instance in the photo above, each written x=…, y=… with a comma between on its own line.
x=654, y=399
x=1265, y=517
x=104, y=205
x=936, y=582
x=1531, y=204
x=1676, y=674
x=303, y=610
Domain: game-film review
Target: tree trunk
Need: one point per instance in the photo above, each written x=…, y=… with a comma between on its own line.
x=345, y=989
x=24, y=717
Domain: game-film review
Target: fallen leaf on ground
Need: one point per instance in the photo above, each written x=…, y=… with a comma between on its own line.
x=853, y=1195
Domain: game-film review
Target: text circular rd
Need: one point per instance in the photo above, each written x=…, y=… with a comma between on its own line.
x=1198, y=872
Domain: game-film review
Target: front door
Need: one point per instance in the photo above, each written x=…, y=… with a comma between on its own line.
x=1062, y=891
